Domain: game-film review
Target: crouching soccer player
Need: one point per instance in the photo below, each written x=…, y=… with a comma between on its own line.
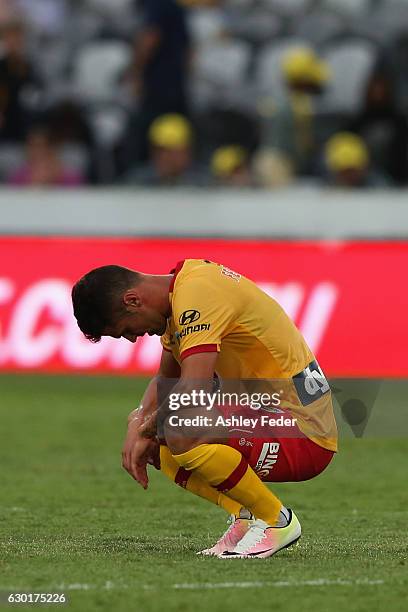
x=213, y=321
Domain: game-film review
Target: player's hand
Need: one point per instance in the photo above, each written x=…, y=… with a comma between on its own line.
x=137, y=452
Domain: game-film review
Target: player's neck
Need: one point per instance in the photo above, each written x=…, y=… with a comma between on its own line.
x=159, y=285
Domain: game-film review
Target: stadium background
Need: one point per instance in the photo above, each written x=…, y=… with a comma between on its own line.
x=334, y=256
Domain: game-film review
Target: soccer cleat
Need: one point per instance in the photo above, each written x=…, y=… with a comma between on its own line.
x=261, y=540
x=235, y=532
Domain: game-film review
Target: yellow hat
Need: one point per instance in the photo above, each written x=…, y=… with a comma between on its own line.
x=302, y=64
x=226, y=160
x=346, y=151
x=171, y=131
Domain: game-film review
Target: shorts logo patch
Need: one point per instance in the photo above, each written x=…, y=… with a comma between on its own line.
x=267, y=458
x=245, y=442
x=189, y=316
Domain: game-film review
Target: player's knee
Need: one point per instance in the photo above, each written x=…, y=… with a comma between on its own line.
x=180, y=436
x=178, y=444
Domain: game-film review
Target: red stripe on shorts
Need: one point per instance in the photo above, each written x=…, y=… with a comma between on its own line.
x=234, y=478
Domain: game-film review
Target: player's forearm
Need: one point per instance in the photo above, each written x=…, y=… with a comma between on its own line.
x=144, y=418
x=185, y=387
x=147, y=406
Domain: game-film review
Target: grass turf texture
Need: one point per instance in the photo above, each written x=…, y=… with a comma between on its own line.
x=71, y=520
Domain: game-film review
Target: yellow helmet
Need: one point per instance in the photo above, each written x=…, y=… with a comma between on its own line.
x=345, y=151
x=302, y=64
x=171, y=131
x=227, y=159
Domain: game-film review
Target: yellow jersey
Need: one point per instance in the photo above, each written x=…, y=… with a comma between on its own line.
x=216, y=309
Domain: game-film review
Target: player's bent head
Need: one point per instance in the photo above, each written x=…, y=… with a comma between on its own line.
x=97, y=299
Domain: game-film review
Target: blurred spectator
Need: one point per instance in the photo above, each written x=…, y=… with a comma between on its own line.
x=348, y=162
x=18, y=82
x=46, y=16
x=272, y=170
x=384, y=128
x=159, y=70
x=219, y=127
x=7, y=11
x=68, y=125
x=171, y=155
x=397, y=64
x=230, y=166
x=44, y=166
x=289, y=124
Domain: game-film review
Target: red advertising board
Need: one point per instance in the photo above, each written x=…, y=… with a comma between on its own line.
x=349, y=299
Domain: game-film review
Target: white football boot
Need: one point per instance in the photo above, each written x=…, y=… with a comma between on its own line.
x=261, y=540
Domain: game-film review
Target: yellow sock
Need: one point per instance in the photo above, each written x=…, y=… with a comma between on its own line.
x=224, y=468
x=195, y=484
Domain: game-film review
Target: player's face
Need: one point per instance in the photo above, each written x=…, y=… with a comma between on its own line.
x=133, y=325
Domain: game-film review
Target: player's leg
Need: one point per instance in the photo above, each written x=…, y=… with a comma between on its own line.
x=280, y=460
x=240, y=518
x=225, y=469
x=222, y=467
x=195, y=484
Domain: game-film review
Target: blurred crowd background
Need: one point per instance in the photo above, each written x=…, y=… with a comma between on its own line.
x=251, y=93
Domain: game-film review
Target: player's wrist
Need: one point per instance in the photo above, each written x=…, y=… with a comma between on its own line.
x=148, y=431
x=143, y=424
x=148, y=427
x=137, y=416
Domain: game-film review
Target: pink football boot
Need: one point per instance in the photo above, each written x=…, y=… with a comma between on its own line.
x=236, y=531
x=261, y=540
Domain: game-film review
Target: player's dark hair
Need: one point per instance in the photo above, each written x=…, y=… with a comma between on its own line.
x=96, y=298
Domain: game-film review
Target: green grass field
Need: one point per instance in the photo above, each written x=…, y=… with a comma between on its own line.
x=72, y=520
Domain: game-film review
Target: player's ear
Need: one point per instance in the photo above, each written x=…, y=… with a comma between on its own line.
x=131, y=299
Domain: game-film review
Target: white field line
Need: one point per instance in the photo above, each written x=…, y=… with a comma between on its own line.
x=281, y=583
x=195, y=586
x=12, y=509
